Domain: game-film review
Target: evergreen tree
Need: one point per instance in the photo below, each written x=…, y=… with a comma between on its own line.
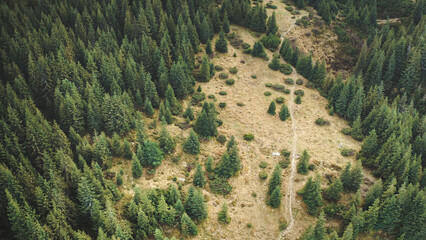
x=389, y=215
x=189, y=113
x=199, y=180
x=209, y=49
x=187, y=226
x=275, y=63
x=223, y=216
x=147, y=107
x=151, y=154
x=204, y=75
x=333, y=191
x=119, y=180
x=284, y=113
x=299, y=3
x=275, y=180
x=209, y=164
x=151, y=92
x=225, y=26
x=272, y=108
x=195, y=206
x=311, y=194
x=356, y=131
x=167, y=144
x=205, y=124
x=136, y=167
x=351, y=178
x=303, y=164
x=258, y=50
x=373, y=193
x=221, y=44
x=348, y=234
x=320, y=227
x=192, y=145
x=275, y=199
x=127, y=150
x=298, y=99
x=286, y=51
x=272, y=25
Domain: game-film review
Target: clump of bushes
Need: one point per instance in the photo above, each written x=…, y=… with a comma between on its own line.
x=289, y=8
x=286, y=69
x=346, y=152
x=284, y=163
x=223, y=93
x=346, y=131
x=218, y=68
x=263, y=175
x=253, y=76
x=223, y=75
x=287, y=91
x=211, y=96
x=222, y=104
x=220, y=185
x=267, y=93
x=285, y=153
x=289, y=81
x=247, y=51
x=271, y=6
x=271, y=41
x=322, y=122
x=299, y=92
x=221, y=139
x=233, y=70
x=280, y=100
x=245, y=45
x=263, y=164
x=230, y=82
x=197, y=97
x=299, y=81
x=248, y=136
x=276, y=87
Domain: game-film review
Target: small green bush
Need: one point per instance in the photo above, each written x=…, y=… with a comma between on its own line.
x=249, y=225
x=282, y=225
x=299, y=81
x=285, y=153
x=284, y=163
x=347, y=152
x=322, y=122
x=220, y=185
x=286, y=69
x=223, y=93
x=287, y=91
x=218, y=68
x=219, y=122
x=280, y=100
x=309, y=85
x=289, y=81
x=222, y=104
x=240, y=104
x=276, y=87
x=233, y=70
x=151, y=171
x=271, y=6
x=247, y=51
x=197, y=98
x=263, y=175
x=245, y=45
x=235, y=55
x=289, y=8
x=230, y=82
x=223, y=75
x=248, y=136
x=346, y=131
x=211, y=96
x=267, y=93
x=299, y=92
x=263, y=164
x=221, y=139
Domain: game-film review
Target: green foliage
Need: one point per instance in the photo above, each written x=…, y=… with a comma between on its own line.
x=225, y=26
x=221, y=44
x=223, y=216
x=284, y=113
x=230, y=82
x=272, y=108
x=233, y=70
x=286, y=69
x=136, y=167
x=222, y=104
x=248, y=137
x=204, y=75
x=322, y=122
x=119, y=180
x=303, y=164
x=187, y=226
x=263, y=175
x=150, y=154
x=275, y=198
x=275, y=180
x=195, y=206
x=209, y=49
x=192, y=145
x=333, y=191
x=199, y=180
x=311, y=194
x=205, y=124
x=275, y=63
x=167, y=144
x=220, y=185
x=298, y=99
x=258, y=50
x=351, y=178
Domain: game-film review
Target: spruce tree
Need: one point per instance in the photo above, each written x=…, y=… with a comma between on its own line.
x=258, y=50
x=272, y=108
x=275, y=199
x=223, y=216
x=298, y=99
x=195, y=206
x=205, y=124
x=311, y=194
x=333, y=191
x=199, y=180
x=187, y=226
x=127, y=149
x=192, y=145
x=151, y=154
x=136, y=167
x=225, y=26
x=189, y=113
x=284, y=113
x=275, y=63
x=151, y=92
x=303, y=164
x=351, y=178
x=167, y=144
x=119, y=180
x=204, y=75
x=373, y=193
x=272, y=25
x=209, y=49
x=275, y=180
x=221, y=44
x=147, y=107
x=209, y=164
x=356, y=131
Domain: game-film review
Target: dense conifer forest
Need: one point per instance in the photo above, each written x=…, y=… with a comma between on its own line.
x=83, y=83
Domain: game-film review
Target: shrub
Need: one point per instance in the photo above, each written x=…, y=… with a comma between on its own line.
x=267, y=93
x=247, y=51
x=286, y=69
x=230, y=82
x=233, y=70
x=271, y=41
x=347, y=152
x=240, y=104
x=282, y=225
x=271, y=6
x=218, y=68
x=284, y=163
x=268, y=84
x=263, y=175
x=223, y=93
x=322, y=122
x=245, y=45
x=248, y=136
x=299, y=81
x=276, y=87
x=197, y=98
x=298, y=100
x=289, y=81
x=220, y=185
x=346, y=131
x=223, y=75
x=302, y=22
x=222, y=104
x=280, y=100
x=223, y=216
x=263, y=164
x=310, y=85
x=285, y=153
x=287, y=91
x=289, y=8
x=299, y=92
x=259, y=51
x=235, y=55
x=284, y=113
x=221, y=138
x=151, y=171
x=211, y=96
x=253, y=76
